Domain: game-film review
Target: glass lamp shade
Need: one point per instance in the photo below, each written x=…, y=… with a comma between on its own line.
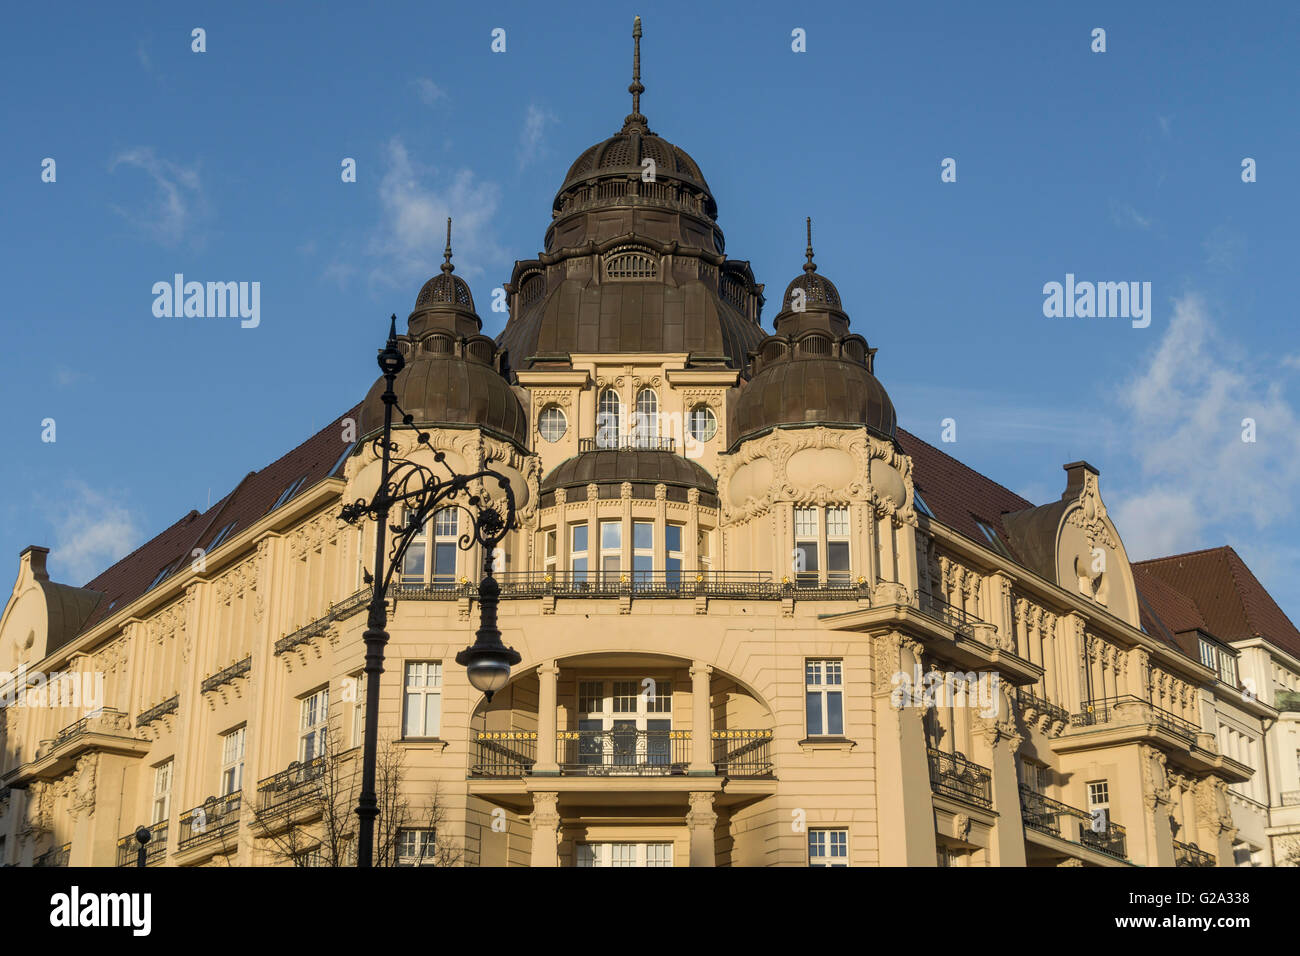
x=488, y=667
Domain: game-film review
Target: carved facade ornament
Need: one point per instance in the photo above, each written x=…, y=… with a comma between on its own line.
x=1090, y=514
x=1155, y=780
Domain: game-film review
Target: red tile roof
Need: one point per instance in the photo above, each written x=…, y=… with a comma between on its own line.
x=315, y=459
x=1230, y=599
x=957, y=494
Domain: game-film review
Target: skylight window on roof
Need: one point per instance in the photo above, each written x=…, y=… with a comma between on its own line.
x=342, y=458
x=220, y=536
x=288, y=492
x=993, y=538
x=921, y=506
x=168, y=569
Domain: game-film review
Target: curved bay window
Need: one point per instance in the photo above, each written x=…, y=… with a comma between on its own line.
x=609, y=419
x=821, y=541
x=646, y=423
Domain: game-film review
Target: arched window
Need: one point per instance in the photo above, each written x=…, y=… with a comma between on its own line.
x=609, y=419
x=647, y=419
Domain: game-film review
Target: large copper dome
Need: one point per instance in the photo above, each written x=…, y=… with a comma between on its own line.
x=814, y=391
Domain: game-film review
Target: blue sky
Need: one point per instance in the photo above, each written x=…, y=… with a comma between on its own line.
x=225, y=166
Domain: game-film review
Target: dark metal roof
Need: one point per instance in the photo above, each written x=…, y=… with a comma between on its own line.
x=450, y=390
x=653, y=467
x=813, y=391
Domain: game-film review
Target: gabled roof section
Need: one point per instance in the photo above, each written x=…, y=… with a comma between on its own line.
x=958, y=495
x=1165, y=611
x=315, y=459
x=1229, y=598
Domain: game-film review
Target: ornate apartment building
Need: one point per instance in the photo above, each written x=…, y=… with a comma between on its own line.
x=760, y=624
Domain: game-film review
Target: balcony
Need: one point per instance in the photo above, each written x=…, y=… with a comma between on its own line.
x=624, y=752
x=1128, y=709
x=627, y=443
x=725, y=585
x=106, y=720
x=1189, y=854
x=167, y=707
x=503, y=753
x=952, y=775
x=155, y=851
x=227, y=675
x=216, y=819
x=949, y=614
x=56, y=857
x=1031, y=704
x=352, y=604
x=1042, y=813
x=291, y=786
x=742, y=753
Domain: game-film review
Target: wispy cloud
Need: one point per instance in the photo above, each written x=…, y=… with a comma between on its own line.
x=532, y=137
x=430, y=93
x=415, y=202
x=1224, y=249
x=142, y=55
x=178, y=198
x=1200, y=483
x=91, y=531
x=64, y=376
x=1122, y=214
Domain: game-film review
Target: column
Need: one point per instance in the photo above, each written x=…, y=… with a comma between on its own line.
x=702, y=822
x=547, y=679
x=701, y=722
x=545, y=822
x=994, y=744
x=907, y=573
x=902, y=764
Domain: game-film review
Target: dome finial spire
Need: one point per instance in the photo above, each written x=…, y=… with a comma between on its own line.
x=809, y=266
x=636, y=89
x=447, y=267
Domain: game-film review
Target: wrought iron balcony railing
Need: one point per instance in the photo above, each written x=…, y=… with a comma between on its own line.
x=106, y=720
x=350, y=605
x=954, y=776
x=216, y=819
x=1031, y=701
x=624, y=751
x=291, y=786
x=742, y=753
x=155, y=851
x=1040, y=812
x=168, y=706
x=59, y=856
x=1128, y=709
x=1189, y=854
x=1108, y=838
x=628, y=443
x=227, y=674
x=954, y=617
x=503, y=753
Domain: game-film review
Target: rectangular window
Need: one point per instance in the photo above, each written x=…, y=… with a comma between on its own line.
x=416, y=559
x=445, y=545
x=1209, y=657
x=673, y=555
x=805, y=546
x=578, y=553
x=991, y=536
x=549, y=548
x=828, y=847
x=1099, y=800
x=232, y=762
x=1228, y=669
x=624, y=854
x=162, y=791
x=837, y=546
x=422, y=701
x=702, y=546
x=358, y=708
x=611, y=550
x=921, y=506
x=643, y=551
x=415, y=847
x=312, y=724
x=824, y=698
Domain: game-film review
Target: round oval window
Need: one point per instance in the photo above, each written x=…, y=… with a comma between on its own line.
x=552, y=424
x=701, y=423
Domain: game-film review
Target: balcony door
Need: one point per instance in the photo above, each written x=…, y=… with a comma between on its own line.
x=624, y=726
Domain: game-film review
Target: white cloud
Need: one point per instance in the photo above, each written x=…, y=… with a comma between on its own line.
x=1200, y=484
x=428, y=91
x=1122, y=214
x=415, y=202
x=532, y=137
x=1224, y=249
x=91, y=532
x=178, y=198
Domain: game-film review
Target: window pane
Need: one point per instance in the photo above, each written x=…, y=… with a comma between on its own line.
x=579, y=537
x=837, y=556
x=837, y=522
x=814, y=701
x=643, y=535
x=673, y=538
x=412, y=726
x=611, y=535
x=432, y=713
x=413, y=564
x=834, y=712
x=445, y=562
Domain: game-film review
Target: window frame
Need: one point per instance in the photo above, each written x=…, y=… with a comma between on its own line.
x=823, y=668
x=426, y=669
x=232, y=764
x=544, y=430
x=312, y=737
x=828, y=845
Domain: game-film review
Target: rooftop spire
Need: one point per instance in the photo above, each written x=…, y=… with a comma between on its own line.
x=636, y=89
x=447, y=267
x=809, y=266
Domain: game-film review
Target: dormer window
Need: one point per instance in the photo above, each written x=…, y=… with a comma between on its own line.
x=288, y=492
x=991, y=536
x=921, y=506
x=220, y=536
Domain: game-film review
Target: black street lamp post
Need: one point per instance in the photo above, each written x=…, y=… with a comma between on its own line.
x=421, y=492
